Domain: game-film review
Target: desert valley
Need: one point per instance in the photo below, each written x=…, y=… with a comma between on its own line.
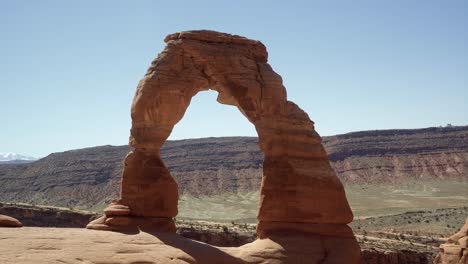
x=321, y=134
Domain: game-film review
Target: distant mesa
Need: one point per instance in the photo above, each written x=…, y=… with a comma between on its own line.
x=209, y=166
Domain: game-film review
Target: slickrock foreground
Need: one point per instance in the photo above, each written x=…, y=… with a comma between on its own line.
x=30, y=245
x=7, y=221
x=455, y=251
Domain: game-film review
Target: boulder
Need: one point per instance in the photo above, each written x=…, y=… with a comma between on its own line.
x=7, y=221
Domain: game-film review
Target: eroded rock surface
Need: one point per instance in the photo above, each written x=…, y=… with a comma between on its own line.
x=455, y=251
x=7, y=221
x=71, y=245
x=300, y=192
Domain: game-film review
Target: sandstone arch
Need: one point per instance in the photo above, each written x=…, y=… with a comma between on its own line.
x=300, y=191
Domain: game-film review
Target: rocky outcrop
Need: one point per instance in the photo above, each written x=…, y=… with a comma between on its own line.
x=215, y=234
x=46, y=216
x=300, y=192
x=113, y=247
x=8, y=221
x=455, y=251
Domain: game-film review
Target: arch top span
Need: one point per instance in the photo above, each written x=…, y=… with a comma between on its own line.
x=257, y=49
x=299, y=191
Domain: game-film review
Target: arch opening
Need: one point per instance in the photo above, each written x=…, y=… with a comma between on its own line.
x=205, y=117
x=218, y=177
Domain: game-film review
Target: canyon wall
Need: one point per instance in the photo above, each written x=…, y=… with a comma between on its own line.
x=90, y=177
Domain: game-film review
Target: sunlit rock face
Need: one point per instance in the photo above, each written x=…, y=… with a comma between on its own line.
x=300, y=192
x=455, y=250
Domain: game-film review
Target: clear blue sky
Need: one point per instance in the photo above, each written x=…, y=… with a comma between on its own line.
x=69, y=68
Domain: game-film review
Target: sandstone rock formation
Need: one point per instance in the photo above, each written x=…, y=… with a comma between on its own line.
x=300, y=192
x=7, y=221
x=32, y=245
x=455, y=250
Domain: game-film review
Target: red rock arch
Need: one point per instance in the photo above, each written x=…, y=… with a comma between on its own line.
x=299, y=191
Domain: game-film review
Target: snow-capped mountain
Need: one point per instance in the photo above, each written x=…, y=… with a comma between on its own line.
x=15, y=158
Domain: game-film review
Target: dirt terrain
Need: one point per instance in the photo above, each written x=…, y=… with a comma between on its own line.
x=436, y=223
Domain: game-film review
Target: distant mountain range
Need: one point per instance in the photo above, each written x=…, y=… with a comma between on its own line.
x=13, y=158
x=90, y=177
